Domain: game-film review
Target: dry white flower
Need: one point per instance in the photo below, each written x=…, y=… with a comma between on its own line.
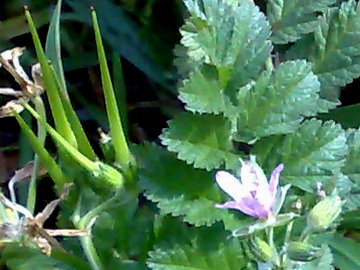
x=28, y=88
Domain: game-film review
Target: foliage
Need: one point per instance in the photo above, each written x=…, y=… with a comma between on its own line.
x=257, y=89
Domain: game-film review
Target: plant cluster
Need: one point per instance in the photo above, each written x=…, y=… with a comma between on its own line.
x=257, y=88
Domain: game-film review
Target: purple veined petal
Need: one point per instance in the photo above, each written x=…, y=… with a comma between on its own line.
x=248, y=206
x=231, y=185
x=238, y=206
x=261, y=211
x=274, y=179
x=251, y=174
x=264, y=197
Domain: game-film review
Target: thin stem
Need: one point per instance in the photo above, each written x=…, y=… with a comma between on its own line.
x=86, y=222
x=90, y=252
x=270, y=235
x=40, y=109
x=87, y=219
x=288, y=232
x=304, y=233
x=86, y=241
x=283, y=255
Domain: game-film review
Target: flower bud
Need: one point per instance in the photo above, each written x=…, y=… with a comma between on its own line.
x=324, y=213
x=109, y=175
x=262, y=251
x=303, y=252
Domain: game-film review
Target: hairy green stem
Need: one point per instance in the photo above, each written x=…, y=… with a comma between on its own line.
x=86, y=241
x=288, y=232
x=270, y=235
x=304, y=233
x=87, y=219
x=86, y=222
x=90, y=253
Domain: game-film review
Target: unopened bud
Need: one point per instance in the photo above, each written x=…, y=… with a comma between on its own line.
x=262, y=250
x=303, y=252
x=324, y=213
x=109, y=175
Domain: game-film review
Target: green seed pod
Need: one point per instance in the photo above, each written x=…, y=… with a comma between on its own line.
x=324, y=213
x=303, y=252
x=261, y=250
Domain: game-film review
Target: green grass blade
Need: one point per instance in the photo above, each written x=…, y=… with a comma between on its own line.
x=61, y=122
x=53, y=45
x=122, y=153
x=46, y=159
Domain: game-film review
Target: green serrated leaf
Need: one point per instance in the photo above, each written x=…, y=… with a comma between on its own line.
x=207, y=253
x=346, y=252
x=201, y=140
x=334, y=48
x=277, y=102
x=231, y=35
x=315, y=153
x=180, y=190
x=351, y=168
x=202, y=93
x=290, y=19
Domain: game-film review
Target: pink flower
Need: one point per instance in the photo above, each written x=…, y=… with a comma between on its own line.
x=253, y=195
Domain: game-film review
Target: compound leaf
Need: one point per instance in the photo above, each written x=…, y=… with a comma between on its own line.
x=290, y=19
x=315, y=153
x=202, y=93
x=351, y=168
x=201, y=140
x=231, y=35
x=277, y=102
x=334, y=49
x=345, y=252
x=212, y=252
x=180, y=190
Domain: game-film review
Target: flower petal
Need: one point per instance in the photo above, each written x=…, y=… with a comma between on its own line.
x=248, y=206
x=238, y=206
x=252, y=175
x=260, y=210
x=264, y=197
x=274, y=179
x=231, y=185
